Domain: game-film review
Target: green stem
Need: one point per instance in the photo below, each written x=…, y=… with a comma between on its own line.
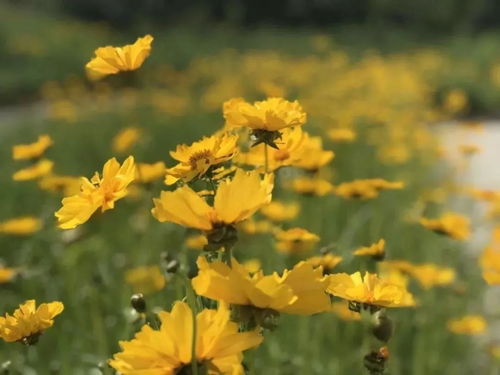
x=266, y=158
x=191, y=299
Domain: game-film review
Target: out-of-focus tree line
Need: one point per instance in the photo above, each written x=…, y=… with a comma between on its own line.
x=446, y=16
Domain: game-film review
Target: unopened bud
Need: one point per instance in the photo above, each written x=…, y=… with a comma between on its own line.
x=383, y=327
x=375, y=362
x=138, y=303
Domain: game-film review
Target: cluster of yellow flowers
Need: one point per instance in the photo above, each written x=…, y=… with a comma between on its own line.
x=220, y=185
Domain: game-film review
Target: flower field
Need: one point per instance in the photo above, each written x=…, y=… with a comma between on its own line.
x=278, y=204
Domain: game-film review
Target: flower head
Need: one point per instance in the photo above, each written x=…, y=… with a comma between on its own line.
x=280, y=211
x=28, y=322
x=68, y=185
x=468, y=325
x=311, y=186
x=145, y=279
x=167, y=351
x=272, y=114
x=32, y=150
x=376, y=250
x=196, y=159
x=112, y=60
x=147, y=173
x=327, y=261
x=97, y=192
x=7, y=274
x=235, y=200
x=21, y=226
x=342, y=135
x=366, y=189
x=369, y=290
x=295, y=240
x=450, y=224
x=37, y=170
x=490, y=263
x=125, y=139
x=298, y=291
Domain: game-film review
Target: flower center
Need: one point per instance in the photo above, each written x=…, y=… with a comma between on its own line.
x=281, y=155
x=203, y=156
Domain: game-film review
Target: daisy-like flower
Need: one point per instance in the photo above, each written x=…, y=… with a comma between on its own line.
x=490, y=263
x=265, y=118
x=125, y=139
x=28, y=322
x=235, y=200
x=147, y=173
x=168, y=351
x=376, y=250
x=281, y=211
x=145, y=279
x=196, y=159
x=37, y=170
x=450, y=224
x=366, y=189
x=21, y=226
x=327, y=261
x=311, y=186
x=429, y=275
x=468, y=325
x=112, y=60
x=300, y=290
x=32, y=150
x=342, y=135
x=369, y=290
x=295, y=240
x=97, y=192
x=7, y=274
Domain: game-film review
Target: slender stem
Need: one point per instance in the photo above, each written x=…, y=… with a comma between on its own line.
x=191, y=299
x=266, y=158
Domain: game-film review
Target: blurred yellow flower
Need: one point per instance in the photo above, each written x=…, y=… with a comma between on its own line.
x=429, y=275
x=196, y=241
x=197, y=158
x=376, y=250
x=450, y=224
x=97, y=192
x=68, y=185
x=125, y=139
x=28, y=322
x=145, y=279
x=281, y=211
x=272, y=114
x=252, y=265
x=341, y=309
x=37, y=170
x=455, y=101
x=342, y=135
x=234, y=201
x=468, y=325
x=490, y=263
x=112, y=60
x=251, y=226
x=299, y=291
x=369, y=290
x=7, y=274
x=295, y=240
x=168, y=350
x=311, y=186
x=366, y=189
x=21, y=226
x=147, y=173
x=327, y=261
x=311, y=156
x=32, y=150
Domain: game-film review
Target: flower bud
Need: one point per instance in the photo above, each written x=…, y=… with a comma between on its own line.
x=383, y=327
x=138, y=303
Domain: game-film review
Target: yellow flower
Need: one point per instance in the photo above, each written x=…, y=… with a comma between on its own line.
x=125, y=139
x=112, y=60
x=168, y=350
x=327, y=261
x=376, y=250
x=273, y=114
x=145, y=279
x=490, y=263
x=311, y=186
x=429, y=275
x=98, y=192
x=365, y=189
x=369, y=290
x=21, y=226
x=341, y=309
x=68, y=185
x=7, y=274
x=280, y=211
x=287, y=151
x=147, y=173
x=196, y=242
x=299, y=291
x=32, y=150
x=251, y=226
x=28, y=322
x=468, y=325
x=311, y=155
x=40, y=169
x=234, y=201
x=342, y=135
x=196, y=159
x=450, y=224
x=455, y=101
x=295, y=240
